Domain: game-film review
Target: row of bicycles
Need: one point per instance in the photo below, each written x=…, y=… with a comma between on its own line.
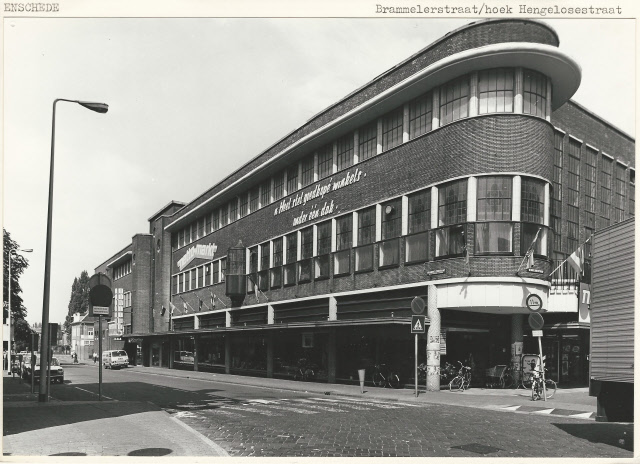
x=503, y=376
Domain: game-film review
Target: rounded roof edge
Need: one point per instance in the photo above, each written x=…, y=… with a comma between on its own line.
x=481, y=22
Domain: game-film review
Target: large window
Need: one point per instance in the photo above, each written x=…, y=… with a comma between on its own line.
x=344, y=240
x=224, y=215
x=420, y=116
x=276, y=270
x=215, y=219
x=263, y=274
x=532, y=202
x=534, y=93
x=454, y=100
x=291, y=258
x=452, y=210
x=265, y=195
x=244, y=204
x=254, y=195
x=307, y=171
x=619, y=201
x=494, y=198
x=417, y=242
x=366, y=237
x=590, y=192
x=367, y=141
x=253, y=269
x=528, y=235
x=325, y=161
x=452, y=203
x=292, y=179
x=233, y=210
x=495, y=91
x=391, y=230
x=278, y=186
x=494, y=237
x=605, y=191
x=306, y=253
x=392, y=129
x=345, y=152
x=323, y=250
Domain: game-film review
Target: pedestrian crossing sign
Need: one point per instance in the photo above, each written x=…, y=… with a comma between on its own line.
x=417, y=324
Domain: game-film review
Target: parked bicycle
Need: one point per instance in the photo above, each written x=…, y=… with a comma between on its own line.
x=536, y=386
x=382, y=377
x=304, y=370
x=447, y=372
x=462, y=381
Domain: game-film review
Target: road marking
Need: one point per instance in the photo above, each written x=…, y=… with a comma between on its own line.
x=544, y=411
x=584, y=415
x=291, y=409
x=217, y=448
x=249, y=409
x=97, y=394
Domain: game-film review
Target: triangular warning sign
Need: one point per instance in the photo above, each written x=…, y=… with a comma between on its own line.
x=418, y=325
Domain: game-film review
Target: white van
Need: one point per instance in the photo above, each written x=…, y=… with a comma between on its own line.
x=115, y=358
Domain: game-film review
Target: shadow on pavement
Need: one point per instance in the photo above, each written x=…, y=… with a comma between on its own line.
x=150, y=452
x=612, y=434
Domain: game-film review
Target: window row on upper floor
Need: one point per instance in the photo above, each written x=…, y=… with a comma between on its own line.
x=199, y=277
x=494, y=203
x=122, y=270
x=481, y=92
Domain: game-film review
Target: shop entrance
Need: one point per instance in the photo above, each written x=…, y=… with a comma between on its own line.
x=471, y=348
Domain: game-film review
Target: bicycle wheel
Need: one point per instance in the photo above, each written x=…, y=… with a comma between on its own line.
x=456, y=384
x=536, y=391
x=506, y=381
x=526, y=380
x=551, y=388
x=394, y=380
x=378, y=379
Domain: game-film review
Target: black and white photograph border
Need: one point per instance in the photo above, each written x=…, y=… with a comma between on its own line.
x=204, y=102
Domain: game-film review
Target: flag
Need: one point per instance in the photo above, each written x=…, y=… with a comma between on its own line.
x=163, y=310
x=199, y=304
x=255, y=288
x=529, y=255
x=530, y=262
x=184, y=305
x=576, y=259
x=213, y=300
x=172, y=306
x=465, y=252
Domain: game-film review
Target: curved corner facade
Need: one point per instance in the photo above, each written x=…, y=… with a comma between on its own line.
x=449, y=173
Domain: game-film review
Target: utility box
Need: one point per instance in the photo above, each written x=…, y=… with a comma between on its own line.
x=612, y=321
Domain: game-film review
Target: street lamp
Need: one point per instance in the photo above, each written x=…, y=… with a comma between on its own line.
x=11, y=252
x=43, y=397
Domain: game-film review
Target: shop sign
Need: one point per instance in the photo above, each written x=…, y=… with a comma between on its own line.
x=436, y=272
x=198, y=251
x=536, y=333
x=535, y=271
x=534, y=303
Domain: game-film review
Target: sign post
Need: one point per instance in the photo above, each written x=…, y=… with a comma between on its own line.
x=417, y=327
x=536, y=322
x=101, y=297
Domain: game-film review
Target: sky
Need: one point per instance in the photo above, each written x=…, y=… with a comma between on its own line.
x=191, y=100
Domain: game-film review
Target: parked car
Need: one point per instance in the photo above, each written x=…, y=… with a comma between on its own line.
x=115, y=358
x=57, y=373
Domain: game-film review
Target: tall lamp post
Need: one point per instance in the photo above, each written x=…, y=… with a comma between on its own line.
x=11, y=252
x=43, y=397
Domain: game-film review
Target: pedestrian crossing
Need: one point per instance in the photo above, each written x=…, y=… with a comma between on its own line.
x=545, y=411
x=280, y=407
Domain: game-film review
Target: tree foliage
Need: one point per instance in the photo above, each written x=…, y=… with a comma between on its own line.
x=79, y=300
x=19, y=263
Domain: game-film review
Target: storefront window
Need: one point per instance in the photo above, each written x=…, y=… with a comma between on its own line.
x=301, y=351
x=210, y=351
x=183, y=356
x=249, y=353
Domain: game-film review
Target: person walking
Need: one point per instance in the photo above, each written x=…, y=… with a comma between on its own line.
x=95, y=357
x=75, y=357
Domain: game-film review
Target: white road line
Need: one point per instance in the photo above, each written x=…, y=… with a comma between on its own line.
x=104, y=396
x=249, y=409
x=288, y=408
x=217, y=448
x=544, y=411
x=584, y=415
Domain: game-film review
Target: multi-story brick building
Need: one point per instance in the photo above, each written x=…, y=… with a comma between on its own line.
x=434, y=179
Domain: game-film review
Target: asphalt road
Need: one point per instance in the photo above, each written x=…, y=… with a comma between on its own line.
x=254, y=421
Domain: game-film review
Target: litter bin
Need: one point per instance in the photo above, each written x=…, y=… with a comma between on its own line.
x=361, y=378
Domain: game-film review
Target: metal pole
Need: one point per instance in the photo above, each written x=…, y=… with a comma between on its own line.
x=9, y=318
x=32, y=361
x=416, y=366
x=100, y=358
x=544, y=387
x=44, y=356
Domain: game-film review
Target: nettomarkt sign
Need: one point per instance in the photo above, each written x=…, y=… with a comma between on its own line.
x=198, y=251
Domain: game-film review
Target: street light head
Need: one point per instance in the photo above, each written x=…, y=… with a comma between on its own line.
x=93, y=106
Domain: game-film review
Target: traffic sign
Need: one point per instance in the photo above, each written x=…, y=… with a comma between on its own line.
x=417, y=305
x=417, y=324
x=536, y=321
x=534, y=303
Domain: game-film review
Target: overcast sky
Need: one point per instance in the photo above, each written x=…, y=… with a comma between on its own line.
x=190, y=100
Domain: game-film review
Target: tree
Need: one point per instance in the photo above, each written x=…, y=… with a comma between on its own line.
x=21, y=329
x=79, y=301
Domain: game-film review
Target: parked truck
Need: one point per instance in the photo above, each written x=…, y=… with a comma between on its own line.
x=612, y=321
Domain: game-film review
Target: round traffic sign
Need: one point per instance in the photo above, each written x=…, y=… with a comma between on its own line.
x=534, y=303
x=417, y=305
x=536, y=321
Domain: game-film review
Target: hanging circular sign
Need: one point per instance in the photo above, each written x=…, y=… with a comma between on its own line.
x=417, y=305
x=534, y=303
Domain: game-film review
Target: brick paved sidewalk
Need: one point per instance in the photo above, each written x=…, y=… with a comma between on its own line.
x=574, y=402
x=93, y=428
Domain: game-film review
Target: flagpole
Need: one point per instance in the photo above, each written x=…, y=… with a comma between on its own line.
x=529, y=250
x=567, y=259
